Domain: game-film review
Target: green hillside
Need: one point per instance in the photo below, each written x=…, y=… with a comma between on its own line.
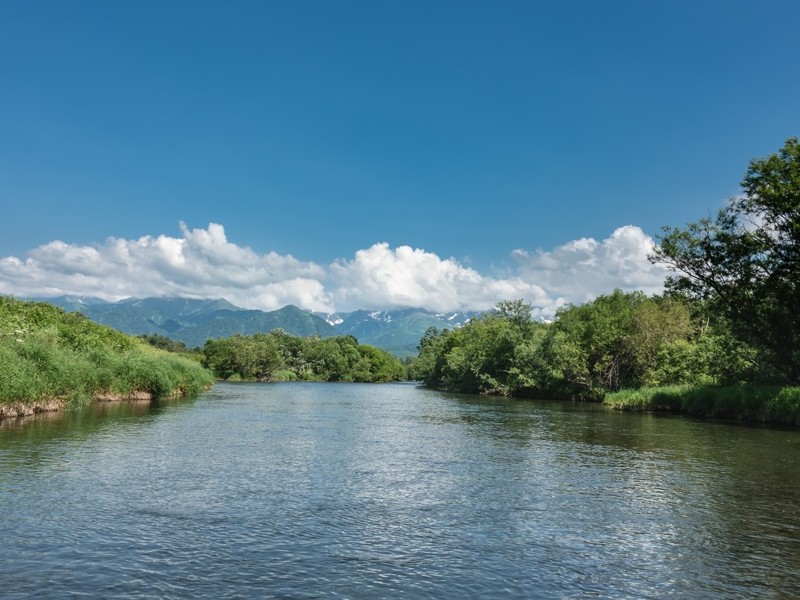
x=225, y=323
x=50, y=359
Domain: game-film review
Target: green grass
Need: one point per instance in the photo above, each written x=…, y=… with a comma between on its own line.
x=284, y=375
x=46, y=354
x=759, y=403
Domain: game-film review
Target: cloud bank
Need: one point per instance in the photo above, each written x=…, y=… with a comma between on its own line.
x=202, y=263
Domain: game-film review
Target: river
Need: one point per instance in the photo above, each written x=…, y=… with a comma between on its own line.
x=309, y=490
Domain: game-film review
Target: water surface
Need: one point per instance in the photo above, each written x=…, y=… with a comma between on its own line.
x=307, y=490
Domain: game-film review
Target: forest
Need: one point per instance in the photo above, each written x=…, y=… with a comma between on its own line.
x=722, y=340
x=278, y=356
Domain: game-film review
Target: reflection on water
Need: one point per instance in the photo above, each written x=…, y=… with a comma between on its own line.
x=309, y=490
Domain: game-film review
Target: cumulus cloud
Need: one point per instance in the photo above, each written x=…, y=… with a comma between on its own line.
x=380, y=277
x=202, y=263
x=580, y=270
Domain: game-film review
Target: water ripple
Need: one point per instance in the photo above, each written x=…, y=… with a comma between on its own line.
x=347, y=491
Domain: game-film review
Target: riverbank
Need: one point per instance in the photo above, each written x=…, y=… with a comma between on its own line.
x=51, y=360
x=755, y=403
x=18, y=409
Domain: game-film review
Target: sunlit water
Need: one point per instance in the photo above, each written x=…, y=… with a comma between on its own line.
x=360, y=491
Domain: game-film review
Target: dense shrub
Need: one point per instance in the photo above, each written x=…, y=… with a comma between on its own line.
x=278, y=356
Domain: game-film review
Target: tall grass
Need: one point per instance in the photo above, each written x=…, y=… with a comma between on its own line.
x=762, y=403
x=46, y=354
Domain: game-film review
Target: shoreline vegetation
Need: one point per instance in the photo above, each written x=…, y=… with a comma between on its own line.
x=54, y=361
x=51, y=360
x=624, y=350
x=773, y=404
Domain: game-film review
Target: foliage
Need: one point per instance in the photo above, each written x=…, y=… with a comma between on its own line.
x=730, y=320
x=637, y=353
x=492, y=354
x=48, y=354
x=746, y=263
x=164, y=343
x=620, y=340
x=278, y=356
x=773, y=404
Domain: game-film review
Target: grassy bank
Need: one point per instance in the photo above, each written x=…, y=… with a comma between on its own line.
x=50, y=359
x=758, y=403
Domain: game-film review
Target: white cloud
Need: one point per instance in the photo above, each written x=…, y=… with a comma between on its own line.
x=202, y=263
x=580, y=270
x=380, y=277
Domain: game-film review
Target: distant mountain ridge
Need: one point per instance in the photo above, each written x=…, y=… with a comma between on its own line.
x=396, y=331
x=193, y=321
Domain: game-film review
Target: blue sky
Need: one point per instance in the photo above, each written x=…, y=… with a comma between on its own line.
x=319, y=129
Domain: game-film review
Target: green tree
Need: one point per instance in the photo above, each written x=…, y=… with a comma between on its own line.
x=517, y=312
x=621, y=340
x=589, y=344
x=427, y=366
x=657, y=323
x=746, y=262
x=164, y=343
x=498, y=353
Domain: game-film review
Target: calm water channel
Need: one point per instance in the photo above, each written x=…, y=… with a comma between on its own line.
x=361, y=491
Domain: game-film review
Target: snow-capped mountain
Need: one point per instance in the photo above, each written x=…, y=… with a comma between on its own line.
x=397, y=331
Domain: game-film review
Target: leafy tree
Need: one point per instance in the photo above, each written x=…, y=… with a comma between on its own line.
x=589, y=344
x=517, y=313
x=746, y=262
x=494, y=354
x=428, y=364
x=657, y=323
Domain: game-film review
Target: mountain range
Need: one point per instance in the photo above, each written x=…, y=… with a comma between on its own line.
x=193, y=321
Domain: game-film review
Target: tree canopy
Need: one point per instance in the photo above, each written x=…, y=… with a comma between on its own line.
x=279, y=356
x=746, y=262
x=618, y=340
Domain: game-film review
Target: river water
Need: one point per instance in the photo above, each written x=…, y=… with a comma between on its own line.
x=305, y=490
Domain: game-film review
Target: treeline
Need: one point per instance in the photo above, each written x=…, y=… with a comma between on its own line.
x=632, y=351
x=55, y=359
x=724, y=340
x=278, y=356
x=620, y=340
